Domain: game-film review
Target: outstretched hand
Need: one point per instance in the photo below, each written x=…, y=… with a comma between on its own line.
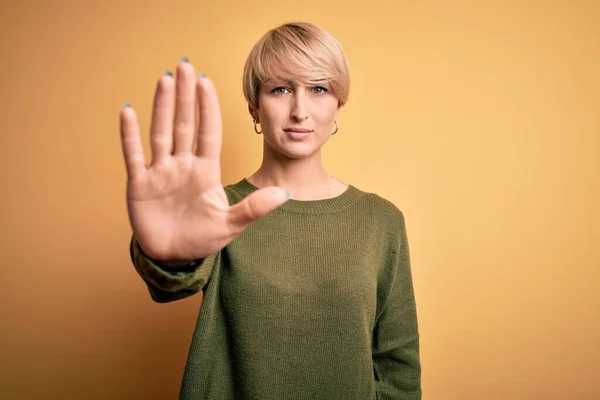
x=177, y=206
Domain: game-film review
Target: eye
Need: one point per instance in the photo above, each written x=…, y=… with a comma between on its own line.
x=279, y=90
x=320, y=90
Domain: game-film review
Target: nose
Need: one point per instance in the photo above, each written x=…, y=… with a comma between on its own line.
x=299, y=107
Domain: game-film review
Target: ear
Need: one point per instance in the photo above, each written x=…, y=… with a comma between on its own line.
x=253, y=113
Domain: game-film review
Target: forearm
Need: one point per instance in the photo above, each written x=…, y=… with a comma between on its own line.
x=398, y=371
x=396, y=358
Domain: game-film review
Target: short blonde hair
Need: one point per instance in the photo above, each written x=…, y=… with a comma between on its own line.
x=302, y=51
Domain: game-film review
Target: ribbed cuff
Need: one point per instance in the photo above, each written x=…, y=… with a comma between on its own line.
x=173, y=270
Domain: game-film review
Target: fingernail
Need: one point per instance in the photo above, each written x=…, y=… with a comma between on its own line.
x=126, y=104
x=201, y=75
x=183, y=59
x=169, y=72
x=288, y=195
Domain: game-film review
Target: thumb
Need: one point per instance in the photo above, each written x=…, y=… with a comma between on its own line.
x=256, y=205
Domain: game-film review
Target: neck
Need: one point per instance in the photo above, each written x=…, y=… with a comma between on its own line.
x=305, y=177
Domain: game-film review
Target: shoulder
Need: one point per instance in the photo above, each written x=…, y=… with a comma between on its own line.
x=381, y=207
x=232, y=194
x=238, y=190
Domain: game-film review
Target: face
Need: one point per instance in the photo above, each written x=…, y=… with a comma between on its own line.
x=296, y=120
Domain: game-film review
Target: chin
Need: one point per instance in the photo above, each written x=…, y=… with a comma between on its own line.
x=295, y=150
x=298, y=154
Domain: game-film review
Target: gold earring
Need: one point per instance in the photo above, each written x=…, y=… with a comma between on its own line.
x=336, y=128
x=256, y=130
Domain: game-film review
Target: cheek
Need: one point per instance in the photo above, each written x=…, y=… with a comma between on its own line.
x=325, y=114
x=267, y=120
x=272, y=112
x=326, y=107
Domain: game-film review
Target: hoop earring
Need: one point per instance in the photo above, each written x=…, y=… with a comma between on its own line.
x=337, y=128
x=256, y=130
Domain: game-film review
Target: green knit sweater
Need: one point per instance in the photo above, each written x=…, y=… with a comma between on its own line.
x=314, y=301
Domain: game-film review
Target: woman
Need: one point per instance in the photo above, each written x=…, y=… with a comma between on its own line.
x=307, y=289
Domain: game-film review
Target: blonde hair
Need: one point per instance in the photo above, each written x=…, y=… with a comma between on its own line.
x=300, y=51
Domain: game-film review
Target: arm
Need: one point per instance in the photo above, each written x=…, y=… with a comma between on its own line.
x=170, y=283
x=396, y=360
x=186, y=163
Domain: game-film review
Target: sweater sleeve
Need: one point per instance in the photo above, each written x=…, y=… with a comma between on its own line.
x=396, y=358
x=166, y=286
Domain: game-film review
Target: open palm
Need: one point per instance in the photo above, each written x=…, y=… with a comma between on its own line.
x=177, y=205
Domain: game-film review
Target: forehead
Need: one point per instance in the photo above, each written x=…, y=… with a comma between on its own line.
x=295, y=80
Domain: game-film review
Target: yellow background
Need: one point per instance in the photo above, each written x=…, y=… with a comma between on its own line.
x=479, y=120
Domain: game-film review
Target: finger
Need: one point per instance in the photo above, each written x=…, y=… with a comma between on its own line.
x=161, y=130
x=256, y=205
x=210, y=126
x=185, y=102
x=133, y=151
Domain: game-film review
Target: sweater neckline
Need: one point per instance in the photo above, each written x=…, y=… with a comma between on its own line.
x=322, y=206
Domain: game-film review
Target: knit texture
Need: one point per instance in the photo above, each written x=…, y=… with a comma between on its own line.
x=313, y=301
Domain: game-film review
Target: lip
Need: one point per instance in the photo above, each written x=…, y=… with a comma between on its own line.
x=295, y=135
x=298, y=130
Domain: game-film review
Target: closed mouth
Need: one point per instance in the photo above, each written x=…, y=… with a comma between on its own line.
x=298, y=130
